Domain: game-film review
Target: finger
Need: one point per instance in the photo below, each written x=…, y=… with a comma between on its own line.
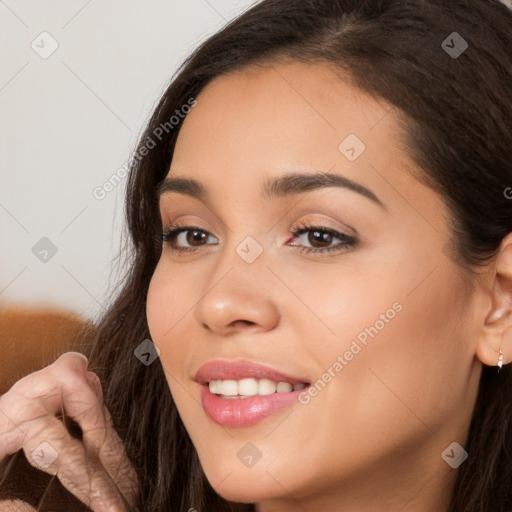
x=49, y=447
x=81, y=396
x=114, y=459
x=11, y=436
x=67, y=387
x=44, y=393
x=16, y=506
x=43, y=388
x=99, y=435
x=111, y=452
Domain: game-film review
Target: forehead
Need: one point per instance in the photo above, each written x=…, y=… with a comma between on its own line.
x=285, y=111
x=263, y=121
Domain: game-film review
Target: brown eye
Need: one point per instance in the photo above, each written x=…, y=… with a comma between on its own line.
x=320, y=239
x=195, y=237
x=185, y=238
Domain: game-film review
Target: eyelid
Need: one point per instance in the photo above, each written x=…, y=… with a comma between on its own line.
x=189, y=220
x=312, y=218
x=347, y=242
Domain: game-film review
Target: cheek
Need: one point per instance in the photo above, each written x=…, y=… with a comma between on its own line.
x=165, y=305
x=404, y=343
x=169, y=310
x=156, y=305
x=419, y=355
x=400, y=384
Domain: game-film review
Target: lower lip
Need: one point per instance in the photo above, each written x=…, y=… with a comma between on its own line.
x=242, y=412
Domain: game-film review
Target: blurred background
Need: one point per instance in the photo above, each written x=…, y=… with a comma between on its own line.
x=78, y=80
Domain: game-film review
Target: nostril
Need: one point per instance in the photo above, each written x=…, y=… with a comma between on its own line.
x=243, y=322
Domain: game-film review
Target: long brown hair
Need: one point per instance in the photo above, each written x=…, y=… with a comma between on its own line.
x=457, y=116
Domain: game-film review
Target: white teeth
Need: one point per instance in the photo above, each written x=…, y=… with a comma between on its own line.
x=227, y=387
x=248, y=387
x=284, y=387
x=213, y=386
x=251, y=387
x=266, y=387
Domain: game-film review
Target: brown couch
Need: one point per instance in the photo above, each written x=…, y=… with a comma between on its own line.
x=30, y=339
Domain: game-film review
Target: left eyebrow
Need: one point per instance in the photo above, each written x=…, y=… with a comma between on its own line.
x=286, y=185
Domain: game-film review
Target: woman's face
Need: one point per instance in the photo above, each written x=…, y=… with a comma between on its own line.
x=378, y=322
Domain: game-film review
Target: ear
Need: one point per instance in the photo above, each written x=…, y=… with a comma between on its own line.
x=496, y=331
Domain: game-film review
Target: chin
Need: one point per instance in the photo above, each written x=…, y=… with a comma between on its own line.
x=241, y=494
x=244, y=486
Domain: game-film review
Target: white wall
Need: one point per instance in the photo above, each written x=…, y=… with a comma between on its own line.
x=69, y=121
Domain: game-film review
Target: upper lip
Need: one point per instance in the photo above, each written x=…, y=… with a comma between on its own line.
x=222, y=369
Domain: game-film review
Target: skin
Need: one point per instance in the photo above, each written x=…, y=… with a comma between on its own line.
x=95, y=469
x=372, y=438
x=15, y=506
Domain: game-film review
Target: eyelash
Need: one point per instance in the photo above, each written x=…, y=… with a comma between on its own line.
x=347, y=243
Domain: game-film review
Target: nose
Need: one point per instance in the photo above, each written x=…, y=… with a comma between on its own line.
x=239, y=299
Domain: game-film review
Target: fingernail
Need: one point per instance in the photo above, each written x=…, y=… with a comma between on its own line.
x=75, y=354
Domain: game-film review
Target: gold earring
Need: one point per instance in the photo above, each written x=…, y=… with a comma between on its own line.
x=500, y=360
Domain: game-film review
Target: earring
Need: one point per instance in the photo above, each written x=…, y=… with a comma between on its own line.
x=500, y=360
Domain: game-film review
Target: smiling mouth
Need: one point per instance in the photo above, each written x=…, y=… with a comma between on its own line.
x=245, y=388
x=243, y=410
x=242, y=393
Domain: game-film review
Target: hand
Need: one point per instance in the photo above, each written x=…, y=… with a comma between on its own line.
x=95, y=469
x=15, y=506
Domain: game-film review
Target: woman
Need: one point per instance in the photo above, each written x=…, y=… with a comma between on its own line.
x=318, y=309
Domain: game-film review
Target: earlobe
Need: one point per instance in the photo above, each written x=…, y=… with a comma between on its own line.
x=490, y=355
x=495, y=344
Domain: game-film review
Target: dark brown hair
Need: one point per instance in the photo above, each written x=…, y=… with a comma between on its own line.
x=456, y=113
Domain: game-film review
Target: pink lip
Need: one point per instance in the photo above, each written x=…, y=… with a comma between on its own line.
x=242, y=412
x=221, y=369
